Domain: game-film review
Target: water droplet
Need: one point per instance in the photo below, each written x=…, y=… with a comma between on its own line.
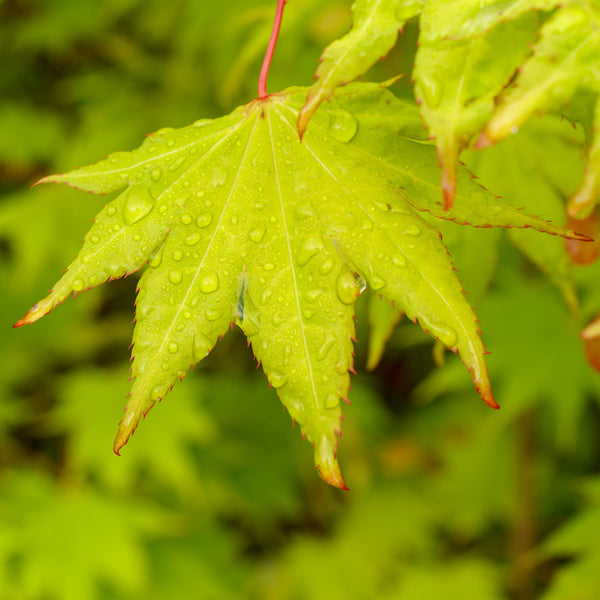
x=212, y=314
x=111, y=210
x=201, y=347
x=138, y=203
x=177, y=255
x=312, y=295
x=192, y=239
x=342, y=126
x=175, y=276
x=156, y=394
x=209, y=282
x=332, y=401
x=347, y=287
x=162, y=209
x=156, y=173
x=77, y=285
x=303, y=211
x=204, y=220
x=176, y=163
x=447, y=335
x=311, y=247
x=277, y=319
x=362, y=286
x=94, y=239
x=172, y=347
x=186, y=219
x=156, y=259
x=376, y=282
x=268, y=266
x=218, y=176
x=277, y=379
x=266, y=296
x=257, y=233
x=399, y=260
x=327, y=265
x=325, y=347
x=412, y=230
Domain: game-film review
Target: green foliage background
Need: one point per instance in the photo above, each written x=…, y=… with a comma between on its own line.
x=215, y=496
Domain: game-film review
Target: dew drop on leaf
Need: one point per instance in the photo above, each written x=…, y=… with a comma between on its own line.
x=413, y=231
x=186, y=219
x=77, y=285
x=203, y=220
x=325, y=347
x=201, y=346
x=311, y=247
x=277, y=379
x=303, y=211
x=332, y=401
x=175, y=276
x=176, y=163
x=347, y=287
x=376, y=282
x=312, y=295
x=266, y=296
x=156, y=173
x=212, y=314
x=342, y=126
x=156, y=259
x=326, y=266
x=192, y=239
x=138, y=203
x=257, y=233
x=177, y=255
x=172, y=347
x=209, y=282
x=399, y=260
x=155, y=394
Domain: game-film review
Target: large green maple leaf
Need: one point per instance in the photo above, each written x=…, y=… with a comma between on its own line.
x=242, y=222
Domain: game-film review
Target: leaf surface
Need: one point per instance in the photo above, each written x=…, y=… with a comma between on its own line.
x=564, y=60
x=456, y=81
x=241, y=222
x=376, y=24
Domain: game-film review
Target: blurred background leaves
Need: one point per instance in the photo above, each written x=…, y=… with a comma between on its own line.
x=215, y=496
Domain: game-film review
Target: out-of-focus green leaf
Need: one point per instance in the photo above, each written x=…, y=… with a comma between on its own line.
x=537, y=169
x=576, y=539
x=88, y=404
x=68, y=540
x=383, y=319
x=463, y=578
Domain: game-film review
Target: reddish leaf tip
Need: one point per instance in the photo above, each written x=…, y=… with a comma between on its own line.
x=483, y=141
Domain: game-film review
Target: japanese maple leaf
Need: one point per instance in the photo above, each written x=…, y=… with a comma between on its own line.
x=240, y=221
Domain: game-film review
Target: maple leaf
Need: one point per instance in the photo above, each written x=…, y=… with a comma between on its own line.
x=456, y=81
x=459, y=80
x=240, y=221
x=375, y=28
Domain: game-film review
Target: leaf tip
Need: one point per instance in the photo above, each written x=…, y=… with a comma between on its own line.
x=486, y=395
x=328, y=466
x=36, y=312
x=483, y=141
